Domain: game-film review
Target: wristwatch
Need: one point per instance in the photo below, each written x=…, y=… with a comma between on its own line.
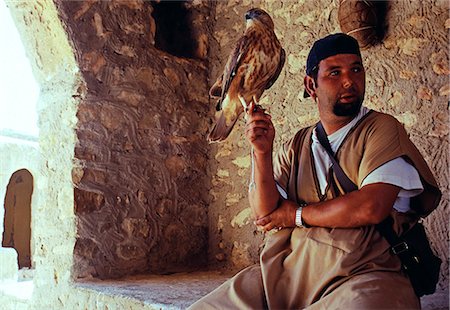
x=298, y=217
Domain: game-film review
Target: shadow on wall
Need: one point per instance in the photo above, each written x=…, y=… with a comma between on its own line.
x=17, y=220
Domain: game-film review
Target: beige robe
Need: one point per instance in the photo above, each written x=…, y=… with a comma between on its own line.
x=325, y=268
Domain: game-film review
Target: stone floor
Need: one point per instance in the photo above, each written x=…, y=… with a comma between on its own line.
x=178, y=291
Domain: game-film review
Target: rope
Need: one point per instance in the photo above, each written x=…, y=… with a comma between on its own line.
x=366, y=2
x=252, y=184
x=359, y=29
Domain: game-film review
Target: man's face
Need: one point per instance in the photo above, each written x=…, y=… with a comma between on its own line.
x=341, y=82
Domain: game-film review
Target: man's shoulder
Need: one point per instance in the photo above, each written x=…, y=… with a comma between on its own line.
x=378, y=121
x=381, y=116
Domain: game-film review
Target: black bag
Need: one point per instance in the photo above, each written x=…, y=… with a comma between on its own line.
x=412, y=247
x=414, y=251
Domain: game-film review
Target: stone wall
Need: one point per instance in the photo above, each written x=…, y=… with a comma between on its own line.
x=142, y=177
x=51, y=163
x=407, y=76
x=123, y=126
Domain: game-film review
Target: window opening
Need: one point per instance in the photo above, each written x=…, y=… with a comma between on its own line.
x=173, y=28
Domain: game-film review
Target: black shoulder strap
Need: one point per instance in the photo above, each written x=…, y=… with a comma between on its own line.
x=343, y=179
x=398, y=246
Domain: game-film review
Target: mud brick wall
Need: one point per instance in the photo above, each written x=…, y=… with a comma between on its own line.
x=142, y=177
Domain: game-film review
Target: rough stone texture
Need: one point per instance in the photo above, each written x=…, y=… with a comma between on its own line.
x=93, y=140
x=177, y=291
x=407, y=76
x=53, y=229
x=140, y=197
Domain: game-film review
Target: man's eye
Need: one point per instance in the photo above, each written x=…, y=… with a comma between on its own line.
x=334, y=73
x=357, y=69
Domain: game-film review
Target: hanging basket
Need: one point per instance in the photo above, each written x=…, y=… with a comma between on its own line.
x=359, y=19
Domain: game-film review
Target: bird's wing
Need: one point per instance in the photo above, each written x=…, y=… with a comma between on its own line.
x=216, y=89
x=225, y=120
x=233, y=63
x=280, y=67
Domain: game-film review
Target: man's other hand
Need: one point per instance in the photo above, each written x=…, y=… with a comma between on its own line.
x=282, y=217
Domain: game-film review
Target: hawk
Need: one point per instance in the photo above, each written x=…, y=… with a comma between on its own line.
x=252, y=67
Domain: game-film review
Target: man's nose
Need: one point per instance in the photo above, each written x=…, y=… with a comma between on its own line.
x=347, y=81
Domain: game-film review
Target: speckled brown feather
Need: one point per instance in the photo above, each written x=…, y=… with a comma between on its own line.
x=253, y=66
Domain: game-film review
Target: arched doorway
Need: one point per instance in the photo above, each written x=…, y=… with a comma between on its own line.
x=17, y=221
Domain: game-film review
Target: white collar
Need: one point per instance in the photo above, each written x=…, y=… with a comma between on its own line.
x=338, y=136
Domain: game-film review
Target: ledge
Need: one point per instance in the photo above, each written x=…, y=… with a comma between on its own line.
x=20, y=290
x=175, y=291
x=179, y=291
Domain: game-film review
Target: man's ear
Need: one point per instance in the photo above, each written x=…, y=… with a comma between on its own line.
x=310, y=86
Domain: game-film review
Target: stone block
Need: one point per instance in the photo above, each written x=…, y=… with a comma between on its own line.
x=9, y=267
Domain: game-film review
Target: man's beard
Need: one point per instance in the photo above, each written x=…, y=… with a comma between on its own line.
x=347, y=109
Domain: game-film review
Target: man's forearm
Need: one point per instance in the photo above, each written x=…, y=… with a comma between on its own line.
x=369, y=205
x=263, y=199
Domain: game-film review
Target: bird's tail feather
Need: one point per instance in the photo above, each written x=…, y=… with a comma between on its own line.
x=221, y=130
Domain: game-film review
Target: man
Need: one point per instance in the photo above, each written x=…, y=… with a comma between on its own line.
x=327, y=253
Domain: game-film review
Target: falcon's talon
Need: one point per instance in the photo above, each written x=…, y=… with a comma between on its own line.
x=242, y=100
x=258, y=107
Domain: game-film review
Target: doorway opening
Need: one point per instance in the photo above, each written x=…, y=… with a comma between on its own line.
x=17, y=219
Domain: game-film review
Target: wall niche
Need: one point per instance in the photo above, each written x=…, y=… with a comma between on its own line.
x=142, y=183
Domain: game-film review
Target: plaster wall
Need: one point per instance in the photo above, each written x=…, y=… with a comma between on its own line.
x=406, y=76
